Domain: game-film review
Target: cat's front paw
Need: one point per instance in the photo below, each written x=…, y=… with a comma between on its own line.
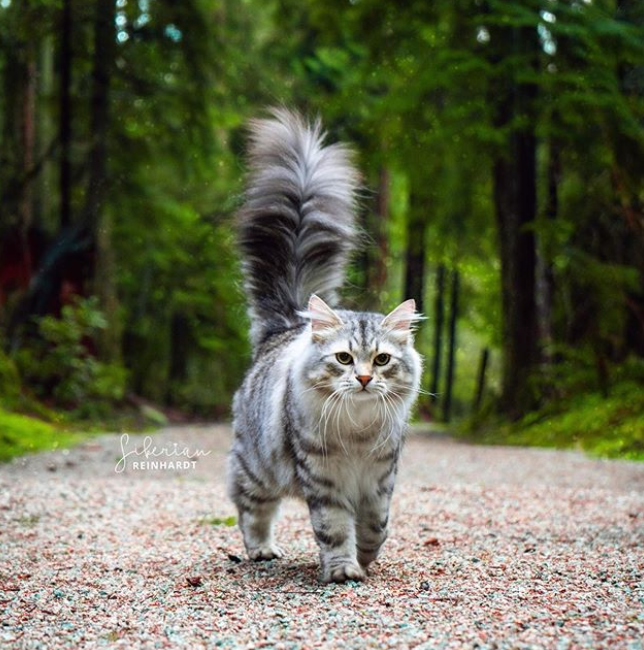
x=343, y=573
x=266, y=552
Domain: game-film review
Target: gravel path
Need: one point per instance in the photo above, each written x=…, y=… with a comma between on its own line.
x=490, y=548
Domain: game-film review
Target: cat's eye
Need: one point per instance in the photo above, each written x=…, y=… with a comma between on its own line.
x=382, y=359
x=344, y=358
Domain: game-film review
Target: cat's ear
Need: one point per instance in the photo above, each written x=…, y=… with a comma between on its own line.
x=400, y=322
x=323, y=318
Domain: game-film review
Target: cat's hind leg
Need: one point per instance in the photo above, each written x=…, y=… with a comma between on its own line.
x=257, y=528
x=257, y=506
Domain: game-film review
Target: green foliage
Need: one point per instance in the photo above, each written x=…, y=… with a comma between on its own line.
x=59, y=362
x=413, y=86
x=610, y=426
x=21, y=434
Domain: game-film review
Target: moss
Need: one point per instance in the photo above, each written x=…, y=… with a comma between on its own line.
x=22, y=434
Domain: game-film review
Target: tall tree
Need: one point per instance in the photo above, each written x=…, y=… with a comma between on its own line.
x=545, y=278
x=415, y=255
x=28, y=136
x=65, y=113
x=513, y=95
x=103, y=58
x=439, y=316
x=98, y=222
x=451, y=350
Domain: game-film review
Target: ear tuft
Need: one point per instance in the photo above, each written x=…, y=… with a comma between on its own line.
x=402, y=319
x=323, y=318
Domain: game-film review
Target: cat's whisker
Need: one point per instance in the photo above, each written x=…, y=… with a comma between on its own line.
x=316, y=387
x=326, y=407
x=327, y=410
x=350, y=396
x=419, y=391
x=395, y=393
x=335, y=411
x=355, y=424
x=411, y=389
x=392, y=418
x=376, y=417
x=331, y=407
x=382, y=404
x=339, y=432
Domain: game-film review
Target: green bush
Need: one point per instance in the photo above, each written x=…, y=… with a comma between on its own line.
x=604, y=425
x=60, y=364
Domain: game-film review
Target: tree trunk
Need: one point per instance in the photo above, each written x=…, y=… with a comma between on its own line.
x=65, y=116
x=451, y=357
x=415, y=257
x=514, y=180
x=545, y=274
x=439, y=309
x=480, y=380
x=109, y=343
x=45, y=209
x=28, y=137
x=99, y=111
x=97, y=222
x=626, y=178
x=518, y=257
x=17, y=153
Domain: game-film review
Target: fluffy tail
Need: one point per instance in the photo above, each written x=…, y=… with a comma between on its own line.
x=296, y=228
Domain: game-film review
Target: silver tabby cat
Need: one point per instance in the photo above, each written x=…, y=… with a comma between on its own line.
x=322, y=411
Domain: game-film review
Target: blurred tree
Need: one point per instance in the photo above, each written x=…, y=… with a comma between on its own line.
x=504, y=138
x=65, y=112
x=513, y=51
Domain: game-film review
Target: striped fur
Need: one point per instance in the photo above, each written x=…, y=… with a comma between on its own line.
x=304, y=424
x=296, y=228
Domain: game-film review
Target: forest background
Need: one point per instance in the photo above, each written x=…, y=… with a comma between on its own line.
x=503, y=150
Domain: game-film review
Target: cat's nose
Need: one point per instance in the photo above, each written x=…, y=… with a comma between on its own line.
x=364, y=380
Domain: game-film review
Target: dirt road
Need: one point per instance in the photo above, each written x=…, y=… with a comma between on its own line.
x=490, y=548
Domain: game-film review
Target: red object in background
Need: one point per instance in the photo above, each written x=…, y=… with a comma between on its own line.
x=18, y=254
x=21, y=255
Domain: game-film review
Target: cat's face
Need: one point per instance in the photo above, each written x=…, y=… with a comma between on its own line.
x=363, y=357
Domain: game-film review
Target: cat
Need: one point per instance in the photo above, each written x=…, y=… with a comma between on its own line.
x=322, y=412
